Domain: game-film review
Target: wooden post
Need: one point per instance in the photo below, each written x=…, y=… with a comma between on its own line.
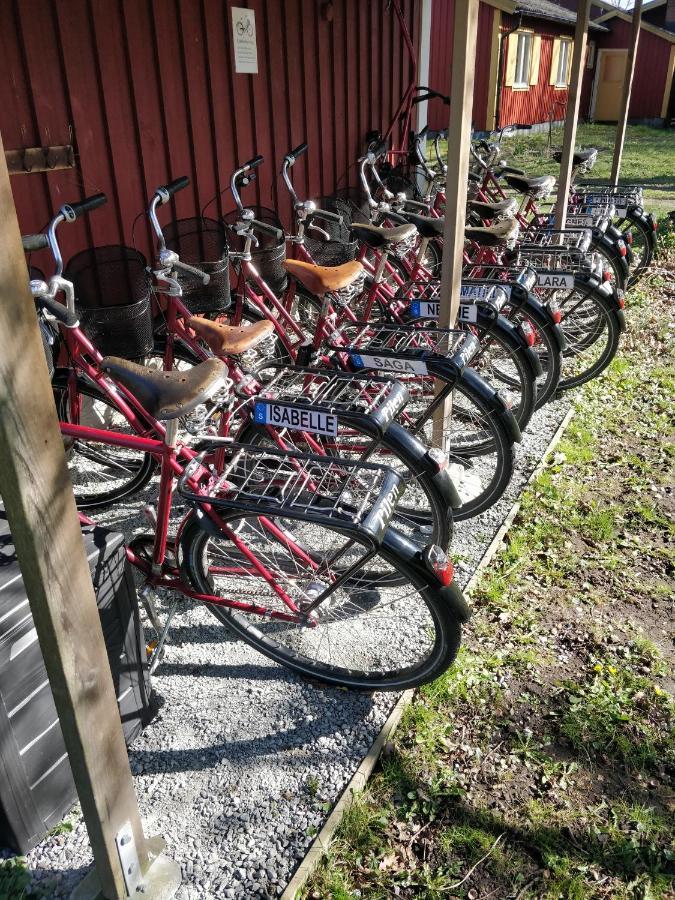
x=456, y=185
x=627, y=87
x=41, y=511
x=570, y=136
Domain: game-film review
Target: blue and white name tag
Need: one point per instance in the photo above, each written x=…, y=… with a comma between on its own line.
x=555, y=280
x=425, y=309
x=282, y=415
x=468, y=313
x=390, y=364
x=580, y=220
x=482, y=291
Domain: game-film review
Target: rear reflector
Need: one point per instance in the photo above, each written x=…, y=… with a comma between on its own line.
x=628, y=237
x=557, y=316
x=607, y=276
x=437, y=562
x=528, y=333
x=654, y=225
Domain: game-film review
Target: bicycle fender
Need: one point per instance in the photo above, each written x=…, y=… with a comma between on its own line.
x=610, y=246
x=608, y=291
x=494, y=401
x=538, y=312
x=452, y=595
x=514, y=338
x=646, y=220
x=423, y=460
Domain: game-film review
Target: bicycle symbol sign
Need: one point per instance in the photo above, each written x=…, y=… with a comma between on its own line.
x=244, y=40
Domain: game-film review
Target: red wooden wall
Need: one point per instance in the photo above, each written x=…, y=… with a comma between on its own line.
x=651, y=69
x=440, y=60
x=536, y=104
x=146, y=91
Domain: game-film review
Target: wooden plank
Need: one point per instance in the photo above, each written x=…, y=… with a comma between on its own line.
x=456, y=185
x=45, y=529
x=627, y=88
x=574, y=98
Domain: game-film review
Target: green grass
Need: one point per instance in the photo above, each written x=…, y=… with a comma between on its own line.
x=544, y=757
x=648, y=158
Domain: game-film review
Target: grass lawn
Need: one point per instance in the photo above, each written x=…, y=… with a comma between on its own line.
x=541, y=765
x=648, y=158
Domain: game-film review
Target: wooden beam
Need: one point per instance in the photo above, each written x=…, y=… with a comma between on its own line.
x=627, y=88
x=572, y=118
x=41, y=511
x=456, y=185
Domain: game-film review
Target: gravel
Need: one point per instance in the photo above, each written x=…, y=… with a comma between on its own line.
x=244, y=760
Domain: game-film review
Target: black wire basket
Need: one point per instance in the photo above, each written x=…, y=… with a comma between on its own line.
x=270, y=255
x=339, y=247
x=202, y=243
x=113, y=295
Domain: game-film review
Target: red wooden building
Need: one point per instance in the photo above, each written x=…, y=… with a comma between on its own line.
x=653, y=92
x=147, y=90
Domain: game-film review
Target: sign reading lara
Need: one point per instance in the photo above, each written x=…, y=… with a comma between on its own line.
x=245, y=47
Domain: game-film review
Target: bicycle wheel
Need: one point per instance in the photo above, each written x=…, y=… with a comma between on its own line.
x=641, y=247
x=385, y=626
x=477, y=441
x=101, y=475
x=422, y=514
x=502, y=362
x=592, y=332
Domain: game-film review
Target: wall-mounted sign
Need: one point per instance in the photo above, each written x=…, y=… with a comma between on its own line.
x=245, y=48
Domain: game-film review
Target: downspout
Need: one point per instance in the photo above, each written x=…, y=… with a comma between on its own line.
x=500, y=70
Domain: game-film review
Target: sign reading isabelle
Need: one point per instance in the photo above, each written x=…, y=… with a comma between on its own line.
x=245, y=48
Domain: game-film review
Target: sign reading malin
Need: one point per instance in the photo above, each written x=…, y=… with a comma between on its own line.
x=244, y=40
x=282, y=415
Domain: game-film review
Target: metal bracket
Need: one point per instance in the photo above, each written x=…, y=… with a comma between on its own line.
x=131, y=866
x=40, y=159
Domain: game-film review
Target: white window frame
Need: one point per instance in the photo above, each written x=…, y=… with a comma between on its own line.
x=524, y=63
x=590, y=55
x=563, y=58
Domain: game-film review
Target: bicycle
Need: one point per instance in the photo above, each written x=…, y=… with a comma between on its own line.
x=306, y=536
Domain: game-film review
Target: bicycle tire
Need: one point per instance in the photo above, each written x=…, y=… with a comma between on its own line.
x=264, y=635
x=143, y=464
x=607, y=354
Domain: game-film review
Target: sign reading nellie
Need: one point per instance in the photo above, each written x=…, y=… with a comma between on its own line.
x=245, y=47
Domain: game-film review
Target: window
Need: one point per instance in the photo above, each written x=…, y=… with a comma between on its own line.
x=563, y=64
x=523, y=60
x=590, y=55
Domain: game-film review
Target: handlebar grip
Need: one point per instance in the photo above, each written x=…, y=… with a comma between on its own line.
x=299, y=150
x=34, y=242
x=253, y=163
x=59, y=311
x=268, y=229
x=176, y=185
x=326, y=214
x=73, y=211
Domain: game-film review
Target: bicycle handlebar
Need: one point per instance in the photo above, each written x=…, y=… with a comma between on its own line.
x=294, y=155
x=276, y=233
x=327, y=215
x=166, y=191
x=60, y=312
x=247, y=168
x=72, y=211
x=33, y=242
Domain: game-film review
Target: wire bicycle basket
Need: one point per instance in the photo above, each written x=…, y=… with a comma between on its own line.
x=202, y=243
x=113, y=295
x=339, y=247
x=269, y=256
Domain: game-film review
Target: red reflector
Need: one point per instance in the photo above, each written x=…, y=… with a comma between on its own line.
x=622, y=250
x=439, y=563
x=557, y=317
x=654, y=225
x=528, y=333
x=606, y=276
x=628, y=238
x=622, y=303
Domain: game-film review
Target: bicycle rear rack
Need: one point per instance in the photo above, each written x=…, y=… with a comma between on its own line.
x=354, y=496
x=369, y=402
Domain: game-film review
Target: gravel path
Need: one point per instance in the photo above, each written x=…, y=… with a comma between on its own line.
x=244, y=761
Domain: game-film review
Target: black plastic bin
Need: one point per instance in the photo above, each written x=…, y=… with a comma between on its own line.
x=113, y=296
x=36, y=784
